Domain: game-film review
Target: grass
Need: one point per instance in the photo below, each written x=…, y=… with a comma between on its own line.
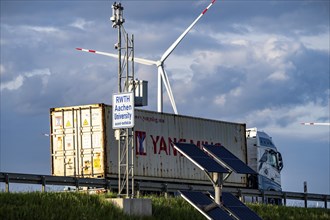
x=55, y=206
x=173, y=208
x=272, y=212
x=73, y=205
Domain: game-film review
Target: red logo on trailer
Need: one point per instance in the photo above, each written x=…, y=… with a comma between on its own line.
x=139, y=143
x=163, y=145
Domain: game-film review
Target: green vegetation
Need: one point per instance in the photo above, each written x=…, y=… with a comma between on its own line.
x=72, y=205
x=272, y=212
x=173, y=208
x=55, y=206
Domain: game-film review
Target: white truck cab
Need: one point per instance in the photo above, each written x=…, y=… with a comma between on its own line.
x=265, y=159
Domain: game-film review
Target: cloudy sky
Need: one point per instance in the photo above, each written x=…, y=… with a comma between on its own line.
x=263, y=63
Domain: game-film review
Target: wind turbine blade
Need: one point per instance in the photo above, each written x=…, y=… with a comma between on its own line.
x=168, y=88
x=98, y=52
x=145, y=61
x=137, y=60
x=175, y=44
x=316, y=123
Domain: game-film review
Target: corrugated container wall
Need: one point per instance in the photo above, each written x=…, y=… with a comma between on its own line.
x=83, y=144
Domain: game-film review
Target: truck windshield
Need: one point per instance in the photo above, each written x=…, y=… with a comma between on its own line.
x=272, y=159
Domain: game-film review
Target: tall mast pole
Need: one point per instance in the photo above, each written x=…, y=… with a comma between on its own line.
x=126, y=135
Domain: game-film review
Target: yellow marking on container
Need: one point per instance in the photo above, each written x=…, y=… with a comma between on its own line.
x=68, y=124
x=97, y=162
x=59, y=143
x=85, y=122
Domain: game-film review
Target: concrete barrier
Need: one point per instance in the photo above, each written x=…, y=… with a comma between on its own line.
x=139, y=207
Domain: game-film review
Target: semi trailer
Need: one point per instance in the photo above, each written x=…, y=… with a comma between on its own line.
x=83, y=144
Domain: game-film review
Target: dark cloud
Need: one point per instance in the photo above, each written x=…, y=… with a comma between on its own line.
x=311, y=77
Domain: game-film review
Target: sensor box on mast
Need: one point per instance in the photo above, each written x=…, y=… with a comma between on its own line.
x=141, y=92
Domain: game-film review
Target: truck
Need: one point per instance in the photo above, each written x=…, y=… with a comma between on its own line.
x=83, y=144
x=265, y=159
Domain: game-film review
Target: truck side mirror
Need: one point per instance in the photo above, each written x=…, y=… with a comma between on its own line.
x=280, y=161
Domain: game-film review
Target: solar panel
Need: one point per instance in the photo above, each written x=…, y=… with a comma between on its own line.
x=229, y=159
x=205, y=205
x=238, y=208
x=199, y=158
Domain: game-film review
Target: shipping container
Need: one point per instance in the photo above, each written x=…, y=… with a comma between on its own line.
x=83, y=144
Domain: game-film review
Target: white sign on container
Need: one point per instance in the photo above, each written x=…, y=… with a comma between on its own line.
x=123, y=110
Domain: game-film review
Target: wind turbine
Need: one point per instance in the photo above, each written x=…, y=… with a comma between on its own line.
x=162, y=75
x=316, y=123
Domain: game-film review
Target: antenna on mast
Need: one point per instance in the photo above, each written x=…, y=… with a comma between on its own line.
x=117, y=15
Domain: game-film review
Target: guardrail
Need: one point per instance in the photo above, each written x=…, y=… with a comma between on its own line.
x=77, y=182
x=284, y=195
x=44, y=180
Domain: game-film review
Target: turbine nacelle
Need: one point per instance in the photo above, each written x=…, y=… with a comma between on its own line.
x=159, y=63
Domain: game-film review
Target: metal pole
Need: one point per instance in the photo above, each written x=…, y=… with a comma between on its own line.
x=305, y=192
x=117, y=24
x=127, y=159
x=325, y=202
x=43, y=184
x=119, y=57
x=126, y=135
x=7, y=182
x=133, y=137
x=119, y=163
x=217, y=179
x=127, y=66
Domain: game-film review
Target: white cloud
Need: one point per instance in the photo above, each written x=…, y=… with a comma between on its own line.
x=81, y=23
x=179, y=67
x=240, y=42
x=40, y=29
x=13, y=84
x=30, y=35
x=19, y=80
x=209, y=60
x=278, y=76
x=317, y=42
x=220, y=100
x=280, y=120
x=272, y=50
x=38, y=72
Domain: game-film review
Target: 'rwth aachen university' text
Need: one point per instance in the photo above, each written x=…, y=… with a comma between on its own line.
x=123, y=107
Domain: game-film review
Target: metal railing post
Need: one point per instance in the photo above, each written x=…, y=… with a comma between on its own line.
x=240, y=195
x=263, y=197
x=43, y=184
x=7, y=182
x=325, y=201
